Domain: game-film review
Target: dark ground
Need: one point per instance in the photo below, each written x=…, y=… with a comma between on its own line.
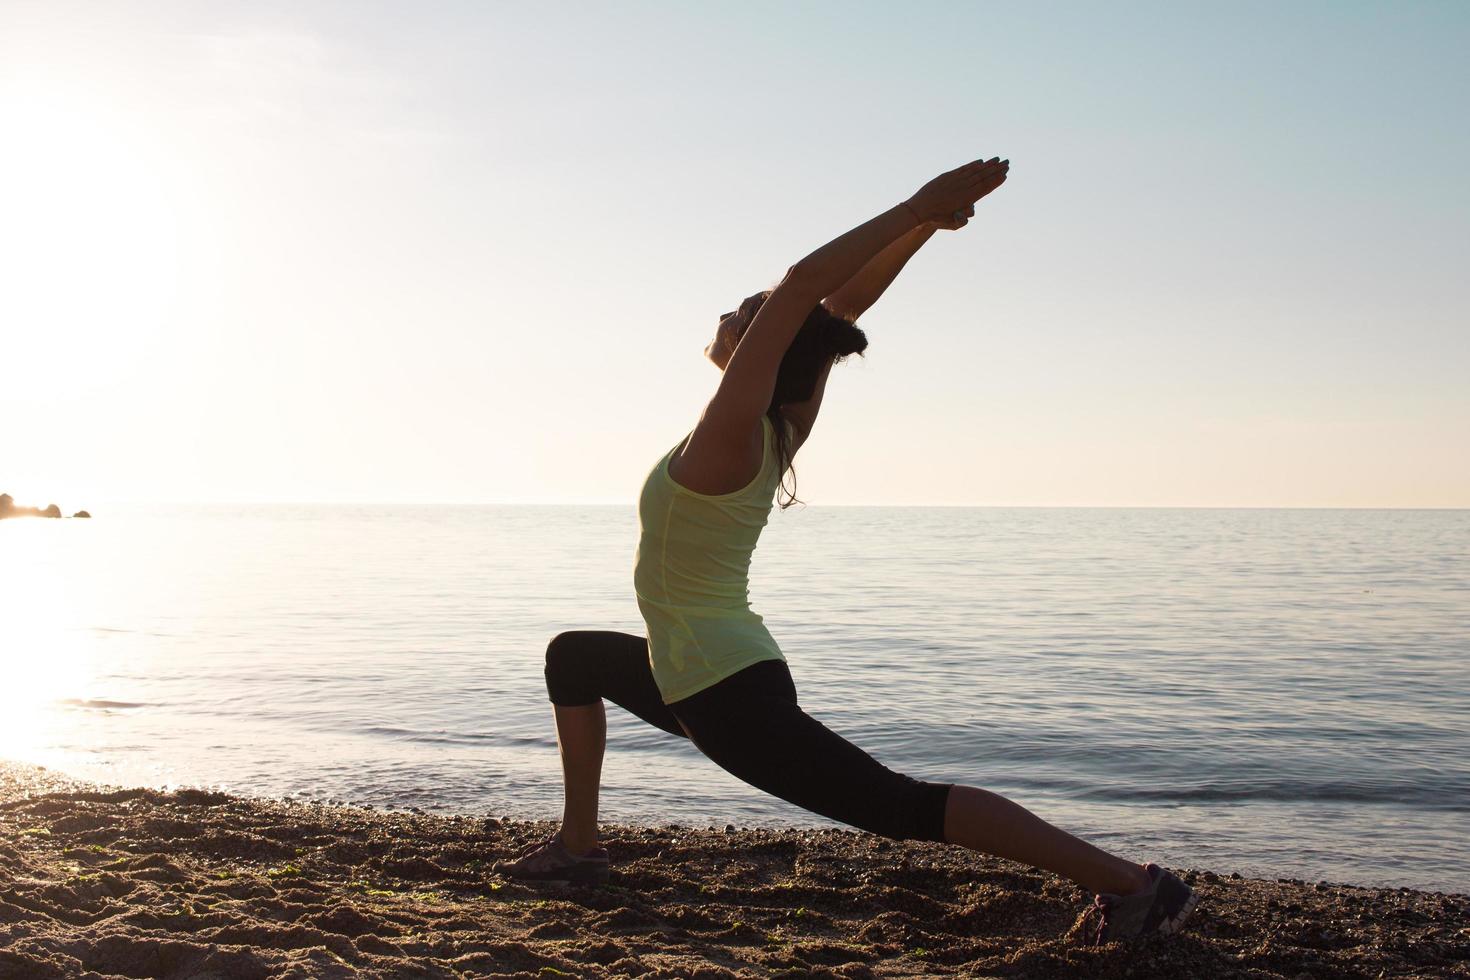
x=98, y=882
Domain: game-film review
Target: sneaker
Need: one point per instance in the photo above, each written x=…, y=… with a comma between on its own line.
x=549, y=860
x=1162, y=908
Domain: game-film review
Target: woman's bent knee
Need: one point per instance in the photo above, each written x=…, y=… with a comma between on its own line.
x=568, y=682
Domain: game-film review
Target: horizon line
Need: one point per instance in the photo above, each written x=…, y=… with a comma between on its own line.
x=319, y=502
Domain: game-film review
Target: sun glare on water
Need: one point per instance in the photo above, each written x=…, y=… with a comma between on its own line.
x=41, y=654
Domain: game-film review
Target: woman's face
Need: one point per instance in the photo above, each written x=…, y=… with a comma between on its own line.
x=727, y=335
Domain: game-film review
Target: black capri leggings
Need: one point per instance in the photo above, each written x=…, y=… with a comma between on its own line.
x=752, y=727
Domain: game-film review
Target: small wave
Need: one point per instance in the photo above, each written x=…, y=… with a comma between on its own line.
x=100, y=703
x=456, y=738
x=1447, y=798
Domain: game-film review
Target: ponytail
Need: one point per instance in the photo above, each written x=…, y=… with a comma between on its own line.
x=824, y=338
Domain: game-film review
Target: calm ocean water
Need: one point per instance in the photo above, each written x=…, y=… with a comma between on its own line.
x=1278, y=692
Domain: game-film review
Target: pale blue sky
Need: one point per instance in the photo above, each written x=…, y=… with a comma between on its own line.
x=472, y=252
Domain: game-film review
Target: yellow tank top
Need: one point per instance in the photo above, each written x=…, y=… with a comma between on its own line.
x=692, y=576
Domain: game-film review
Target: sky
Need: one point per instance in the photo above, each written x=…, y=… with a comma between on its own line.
x=472, y=252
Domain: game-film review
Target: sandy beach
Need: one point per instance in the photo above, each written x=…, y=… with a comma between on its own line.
x=113, y=882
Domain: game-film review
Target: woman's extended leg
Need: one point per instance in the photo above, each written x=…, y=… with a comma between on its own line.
x=751, y=725
x=984, y=821
x=582, y=668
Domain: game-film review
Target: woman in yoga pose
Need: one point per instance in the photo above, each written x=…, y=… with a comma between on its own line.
x=710, y=671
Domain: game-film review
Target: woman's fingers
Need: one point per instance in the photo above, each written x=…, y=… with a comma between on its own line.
x=987, y=172
x=989, y=188
x=994, y=174
x=980, y=188
x=975, y=167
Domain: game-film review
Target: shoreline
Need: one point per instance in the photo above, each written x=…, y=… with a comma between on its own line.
x=100, y=882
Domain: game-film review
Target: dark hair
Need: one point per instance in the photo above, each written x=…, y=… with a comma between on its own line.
x=824, y=338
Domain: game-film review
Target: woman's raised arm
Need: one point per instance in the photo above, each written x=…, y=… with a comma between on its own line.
x=858, y=294
x=750, y=376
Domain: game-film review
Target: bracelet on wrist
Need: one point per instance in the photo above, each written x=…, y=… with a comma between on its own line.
x=912, y=211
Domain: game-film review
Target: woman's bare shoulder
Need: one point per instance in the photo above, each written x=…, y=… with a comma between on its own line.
x=707, y=462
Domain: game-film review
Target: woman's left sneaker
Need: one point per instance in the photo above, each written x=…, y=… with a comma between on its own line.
x=549, y=860
x=1162, y=908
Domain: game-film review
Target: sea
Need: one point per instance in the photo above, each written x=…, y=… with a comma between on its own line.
x=1279, y=693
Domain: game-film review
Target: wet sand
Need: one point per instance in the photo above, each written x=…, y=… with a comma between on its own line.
x=105, y=882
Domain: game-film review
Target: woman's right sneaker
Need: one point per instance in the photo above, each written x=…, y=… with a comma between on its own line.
x=549, y=860
x=1162, y=908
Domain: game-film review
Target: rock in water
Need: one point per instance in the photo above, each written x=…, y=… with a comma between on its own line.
x=81, y=513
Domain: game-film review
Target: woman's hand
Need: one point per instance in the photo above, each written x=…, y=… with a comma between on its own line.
x=951, y=192
x=955, y=221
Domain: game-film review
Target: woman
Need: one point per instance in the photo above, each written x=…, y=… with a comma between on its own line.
x=710, y=671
